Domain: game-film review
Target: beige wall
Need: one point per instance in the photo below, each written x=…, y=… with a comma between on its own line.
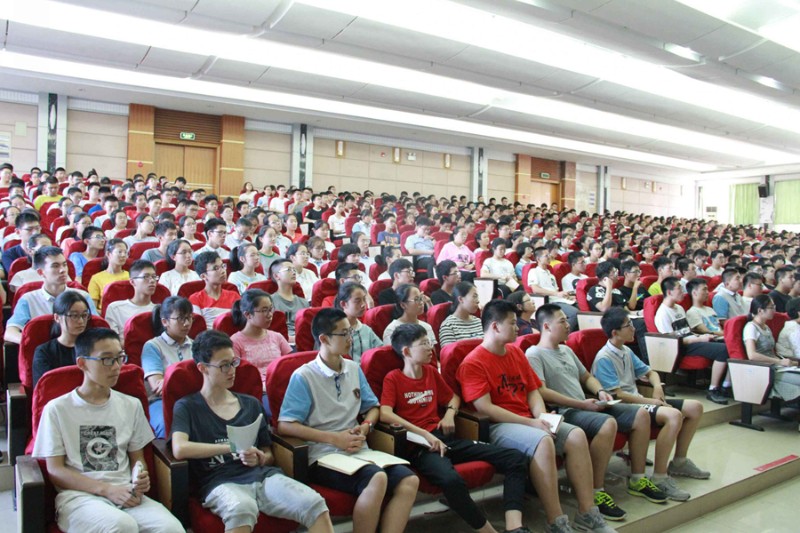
x=99, y=141
x=501, y=179
x=366, y=166
x=650, y=197
x=20, y=121
x=267, y=158
x=585, y=183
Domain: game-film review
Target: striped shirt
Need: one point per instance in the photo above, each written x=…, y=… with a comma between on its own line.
x=454, y=329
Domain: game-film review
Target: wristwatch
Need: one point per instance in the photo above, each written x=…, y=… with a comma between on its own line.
x=370, y=424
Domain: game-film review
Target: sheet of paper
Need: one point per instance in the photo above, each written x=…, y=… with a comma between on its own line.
x=417, y=439
x=553, y=419
x=244, y=437
x=342, y=463
x=380, y=458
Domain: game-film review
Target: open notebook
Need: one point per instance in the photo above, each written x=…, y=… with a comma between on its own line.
x=351, y=463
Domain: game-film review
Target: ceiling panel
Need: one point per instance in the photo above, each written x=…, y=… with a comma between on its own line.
x=247, y=12
x=177, y=62
x=312, y=22
x=489, y=81
x=408, y=100
x=723, y=41
x=307, y=83
x=236, y=70
x=764, y=55
x=788, y=70
x=148, y=9
x=214, y=24
x=498, y=65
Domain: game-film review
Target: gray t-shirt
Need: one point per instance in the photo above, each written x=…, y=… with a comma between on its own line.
x=290, y=307
x=560, y=370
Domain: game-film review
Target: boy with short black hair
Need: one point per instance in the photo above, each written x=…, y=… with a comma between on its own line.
x=322, y=405
x=213, y=300
x=91, y=439
x=166, y=232
x=236, y=484
x=144, y=279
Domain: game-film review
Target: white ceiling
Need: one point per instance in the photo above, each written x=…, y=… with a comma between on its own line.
x=728, y=57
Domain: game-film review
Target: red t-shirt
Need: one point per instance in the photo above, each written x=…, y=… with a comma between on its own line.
x=507, y=378
x=226, y=299
x=416, y=400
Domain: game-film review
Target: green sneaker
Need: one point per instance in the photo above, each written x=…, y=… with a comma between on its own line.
x=645, y=488
x=608, y=508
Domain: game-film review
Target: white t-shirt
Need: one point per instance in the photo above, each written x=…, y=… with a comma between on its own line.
x=570, y=281
x=703, y=316
x=95, y=439
x=672, y=320
x=499, y=267
x=336, y=224
x=307, y=279
x=788, y=344
x=387, y=333
x=118, y=313
x=544, y=279
x=173, y=280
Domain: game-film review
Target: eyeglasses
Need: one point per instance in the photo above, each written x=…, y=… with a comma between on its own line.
x=226, y=367
x=217, y=268
x=265, y=310
x=423, y=344
x=408, y=271
x=220, y=232
x=78, y=317
x=184, y=319
x=302, y=254
x=417, y=300
x=33, y=229
x=287, y=269
x=109, y=361
x=348, y=333
x=185, y=252
x=628, y=325
x=147, y=277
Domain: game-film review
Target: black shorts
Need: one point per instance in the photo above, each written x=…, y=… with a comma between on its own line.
x=653, y=409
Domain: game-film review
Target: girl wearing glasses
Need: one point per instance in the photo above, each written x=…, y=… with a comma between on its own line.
x=179, y=260
x=71, y=314
x=189, y=229
x=255, y=342
x=95, y=241
x=462, y=323
x=298, y=255
x=410, y=304
x=244, y=260
x=170, y=344
x=113, y=263
x=80, y=221
x=317, y=249
x=352, y=299
x=267, y=242
x=119, y=220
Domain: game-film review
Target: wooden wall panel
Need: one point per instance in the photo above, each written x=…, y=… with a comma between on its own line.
x=141, y=140
x=169, y=124
x=169, y=160
x=200, y=167
x=231, y=167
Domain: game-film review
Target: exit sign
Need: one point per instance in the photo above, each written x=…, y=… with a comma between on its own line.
x=187, y=136
x=545, y=175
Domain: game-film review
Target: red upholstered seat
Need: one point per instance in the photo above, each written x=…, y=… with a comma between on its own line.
x=304, y=340
x=590, y=268
x=429, y=286
x=734, y=341
x=376, y=287
x=376, y=270
x=580, y=292
x=687, y=362
x=648, y=280
x=123, y=290
x=435, y=316
x=451, y=357
x=378, y=318
x=36, y=285
x=270, y=287
x=526, y=270
x=524, y=342
x=139, y=330
x=278, y=373
x=647, y=269
x=378, y=362
x=322, y=289
x=183, y=379
x=224, y=323
x=328, y=267
x=559, y=271
x=140, y=248
x=586, y=343
x=480, y=257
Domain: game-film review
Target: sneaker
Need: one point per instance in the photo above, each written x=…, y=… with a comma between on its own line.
x=592, y=521
x=561, y=525
x=716, y=396
x=522, y=529
x=670, y=488
x=688, y=469
x=727, y=392
x=608, y=508
x=647, y=489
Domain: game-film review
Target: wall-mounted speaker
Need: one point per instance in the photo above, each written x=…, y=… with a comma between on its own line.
x=763, y=191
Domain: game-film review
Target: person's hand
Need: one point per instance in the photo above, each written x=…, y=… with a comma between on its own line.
x=706, y=337
x=122, y=495
x=636, y=283
x=447, y=424
x=785, y=362
x=590, y=404
x=603, y=396
x=141, y=484
x=349, y=440
x=544, y=425
x=658, y=393
x=436, y=444
x=251, y=456
x=609, y=284
x=158, y=387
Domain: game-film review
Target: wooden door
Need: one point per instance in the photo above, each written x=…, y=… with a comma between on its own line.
x=542, y=192
x=200, y=167
x=169, y=160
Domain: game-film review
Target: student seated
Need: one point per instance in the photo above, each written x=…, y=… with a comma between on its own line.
x=284, y=274
x=255, y=342
x=188, y=225
x=788, y=344
x=28, y=224
x=50, y=263
x=267, y=243
x=213, y=300
x=352, y=299
x=298, y=255
x=323, y=404
x=236, y=484
x=525, y=309
x=401, y=271
x=317, y=249
x=717, y=261
x=145, y=225
x=564, y=380
x=119, y=222
x=400, y=404
x=244, y=260
x=166, y=233
x=617, y=368
x=420, y=245
x=449, y=275
x=144, y=279
x=784, y=281
x=760, y=346
x=462, y=322
x=179, y=260
x=497, y=379
x=752, y=286
x=727, y=302
x=30, y=274
x=499, y=268
x=71, y=315
x=458, y=252
x=95, y=492
x=389, y=236
x=663, y=266
x=409, y=304
x=543, y=283
x=216, y=231
x=241, y=233
x=577, y=264
x=703, y=320
x=112, y=269
x=632, y=288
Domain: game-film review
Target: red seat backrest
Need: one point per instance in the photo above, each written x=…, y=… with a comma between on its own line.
x=524, y=342
x=734, y=341
x=429, y=286
x=19, y=264
x=777, y=323
x=36, y=285
x=714, y=282
x=123, y=290
x=526, y=270
x=184, y=378
x=480, y=257
x=376, y=363
x=327, y=268
x=224, y=323
x=590, y=269
x=586, y=343
x=436, y=315
x=139, y=329
x=322, y=289
x=648, y=280
x=270, y=287
x=559, y=271
x=376, y=287
x=191, y=287
x=378, y=318
x=92, y=267
x=647, y=269
x=580, y=292
x=375, y=270
x=278, y=374
x=651, y=306
x=139, y=248
x=303, y=338
x=74, y=246
x=451, y=357
x=403, y=236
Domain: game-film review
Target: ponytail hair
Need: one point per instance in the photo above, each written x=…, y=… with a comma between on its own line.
x=165, y=310
x=461, y=290
x=110, y=248
x=382, y=258
x=61, y=306
x=762, y=301
x=401, y=295
x=247, y=304
x=172, y=250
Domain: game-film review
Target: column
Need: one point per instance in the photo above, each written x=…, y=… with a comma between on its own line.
x=302, y=156
x=231, y=156
x=568, y=184
x=479, y=174
x=51, y=144
x=141, y=139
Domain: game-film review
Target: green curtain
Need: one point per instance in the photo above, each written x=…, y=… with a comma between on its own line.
x=745, y=203
x=787, y=200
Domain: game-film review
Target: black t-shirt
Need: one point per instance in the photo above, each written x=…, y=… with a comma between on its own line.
x=641, y=294
x=49, y=356
x=441, y=297
x=314, y=214
x=780, y=300
x=194, y=417
x=597, y=294
x=387, y=297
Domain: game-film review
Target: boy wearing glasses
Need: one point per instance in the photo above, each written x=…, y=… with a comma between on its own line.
x=401, y=272
x=322, y=405
x=144, y=280
x=213, y=300
x=91, y=438
x=284, y=274
x=616, y=367
x=216, y=230
x=28, y=224
x=414, y=397
x=236, y=486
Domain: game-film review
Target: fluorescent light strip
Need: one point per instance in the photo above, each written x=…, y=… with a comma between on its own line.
x=263, y=98
x=196, y=41
x=456, y=22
